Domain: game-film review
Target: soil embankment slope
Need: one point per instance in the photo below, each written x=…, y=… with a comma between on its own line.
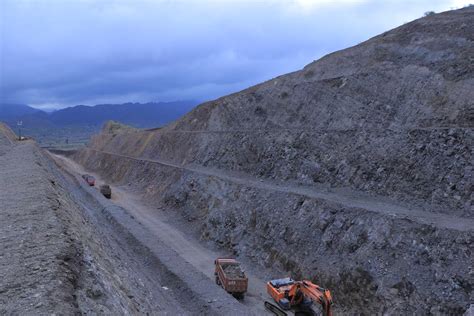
x=7, y=137
x=35, y=277
x=64, y=250
x=355, y=172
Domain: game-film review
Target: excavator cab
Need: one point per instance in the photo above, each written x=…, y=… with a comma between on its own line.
x=278, y=289
x=289, y=293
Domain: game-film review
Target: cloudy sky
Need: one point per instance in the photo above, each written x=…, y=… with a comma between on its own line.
x=57, y=53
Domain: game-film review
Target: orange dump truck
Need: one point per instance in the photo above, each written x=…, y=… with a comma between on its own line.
x=230, y=275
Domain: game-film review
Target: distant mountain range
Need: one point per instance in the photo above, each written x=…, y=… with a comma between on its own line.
x=135, y=114
x=72, y=127
x=14, y=111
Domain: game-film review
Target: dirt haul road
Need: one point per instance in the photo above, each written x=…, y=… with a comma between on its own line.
x=344, y=197
x=68, y=256
x=189, y=250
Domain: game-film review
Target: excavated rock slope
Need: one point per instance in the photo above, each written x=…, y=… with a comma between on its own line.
x=355, y=172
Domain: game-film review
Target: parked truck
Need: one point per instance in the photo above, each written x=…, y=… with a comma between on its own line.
x=231, y=277
x=106, y=191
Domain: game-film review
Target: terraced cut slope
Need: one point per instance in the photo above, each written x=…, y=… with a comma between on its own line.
x=355, y=172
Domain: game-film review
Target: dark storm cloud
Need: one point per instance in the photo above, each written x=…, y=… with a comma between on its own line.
x=58, y=53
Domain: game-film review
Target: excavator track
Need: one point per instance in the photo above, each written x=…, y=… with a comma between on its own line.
x=275, y=309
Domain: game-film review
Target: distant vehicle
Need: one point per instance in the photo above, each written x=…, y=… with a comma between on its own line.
x=106, y=191
x=89, y=179
x=231, y=277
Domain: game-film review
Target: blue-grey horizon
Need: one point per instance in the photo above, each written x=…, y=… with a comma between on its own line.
x=55, y=54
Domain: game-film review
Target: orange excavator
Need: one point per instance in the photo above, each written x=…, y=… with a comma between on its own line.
x=289, y=293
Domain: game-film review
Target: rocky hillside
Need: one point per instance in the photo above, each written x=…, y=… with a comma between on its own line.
x=391, y=116
x=355, y=171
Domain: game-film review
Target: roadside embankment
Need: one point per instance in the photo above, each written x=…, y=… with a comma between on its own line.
x=63, y=252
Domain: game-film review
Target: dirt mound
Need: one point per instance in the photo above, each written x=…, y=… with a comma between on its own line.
x=355, y=171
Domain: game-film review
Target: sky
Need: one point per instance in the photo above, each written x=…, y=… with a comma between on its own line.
x=59, y=53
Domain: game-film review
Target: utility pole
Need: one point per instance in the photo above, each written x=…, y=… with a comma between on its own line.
x=19, y=123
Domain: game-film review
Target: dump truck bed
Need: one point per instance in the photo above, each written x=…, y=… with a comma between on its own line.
x=230, y=275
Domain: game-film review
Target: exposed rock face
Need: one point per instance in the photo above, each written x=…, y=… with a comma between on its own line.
x=391, y=116
x=381, y=137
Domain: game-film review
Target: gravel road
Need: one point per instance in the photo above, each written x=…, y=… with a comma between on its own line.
x=189, y=250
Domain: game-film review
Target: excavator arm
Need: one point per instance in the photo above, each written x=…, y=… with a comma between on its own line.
x=314, y=292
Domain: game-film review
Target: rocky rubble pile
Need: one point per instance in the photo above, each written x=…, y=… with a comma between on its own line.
x=233, y=271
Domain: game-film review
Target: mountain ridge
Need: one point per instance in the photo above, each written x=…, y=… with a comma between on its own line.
x=71, y=127
x=149, y=114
